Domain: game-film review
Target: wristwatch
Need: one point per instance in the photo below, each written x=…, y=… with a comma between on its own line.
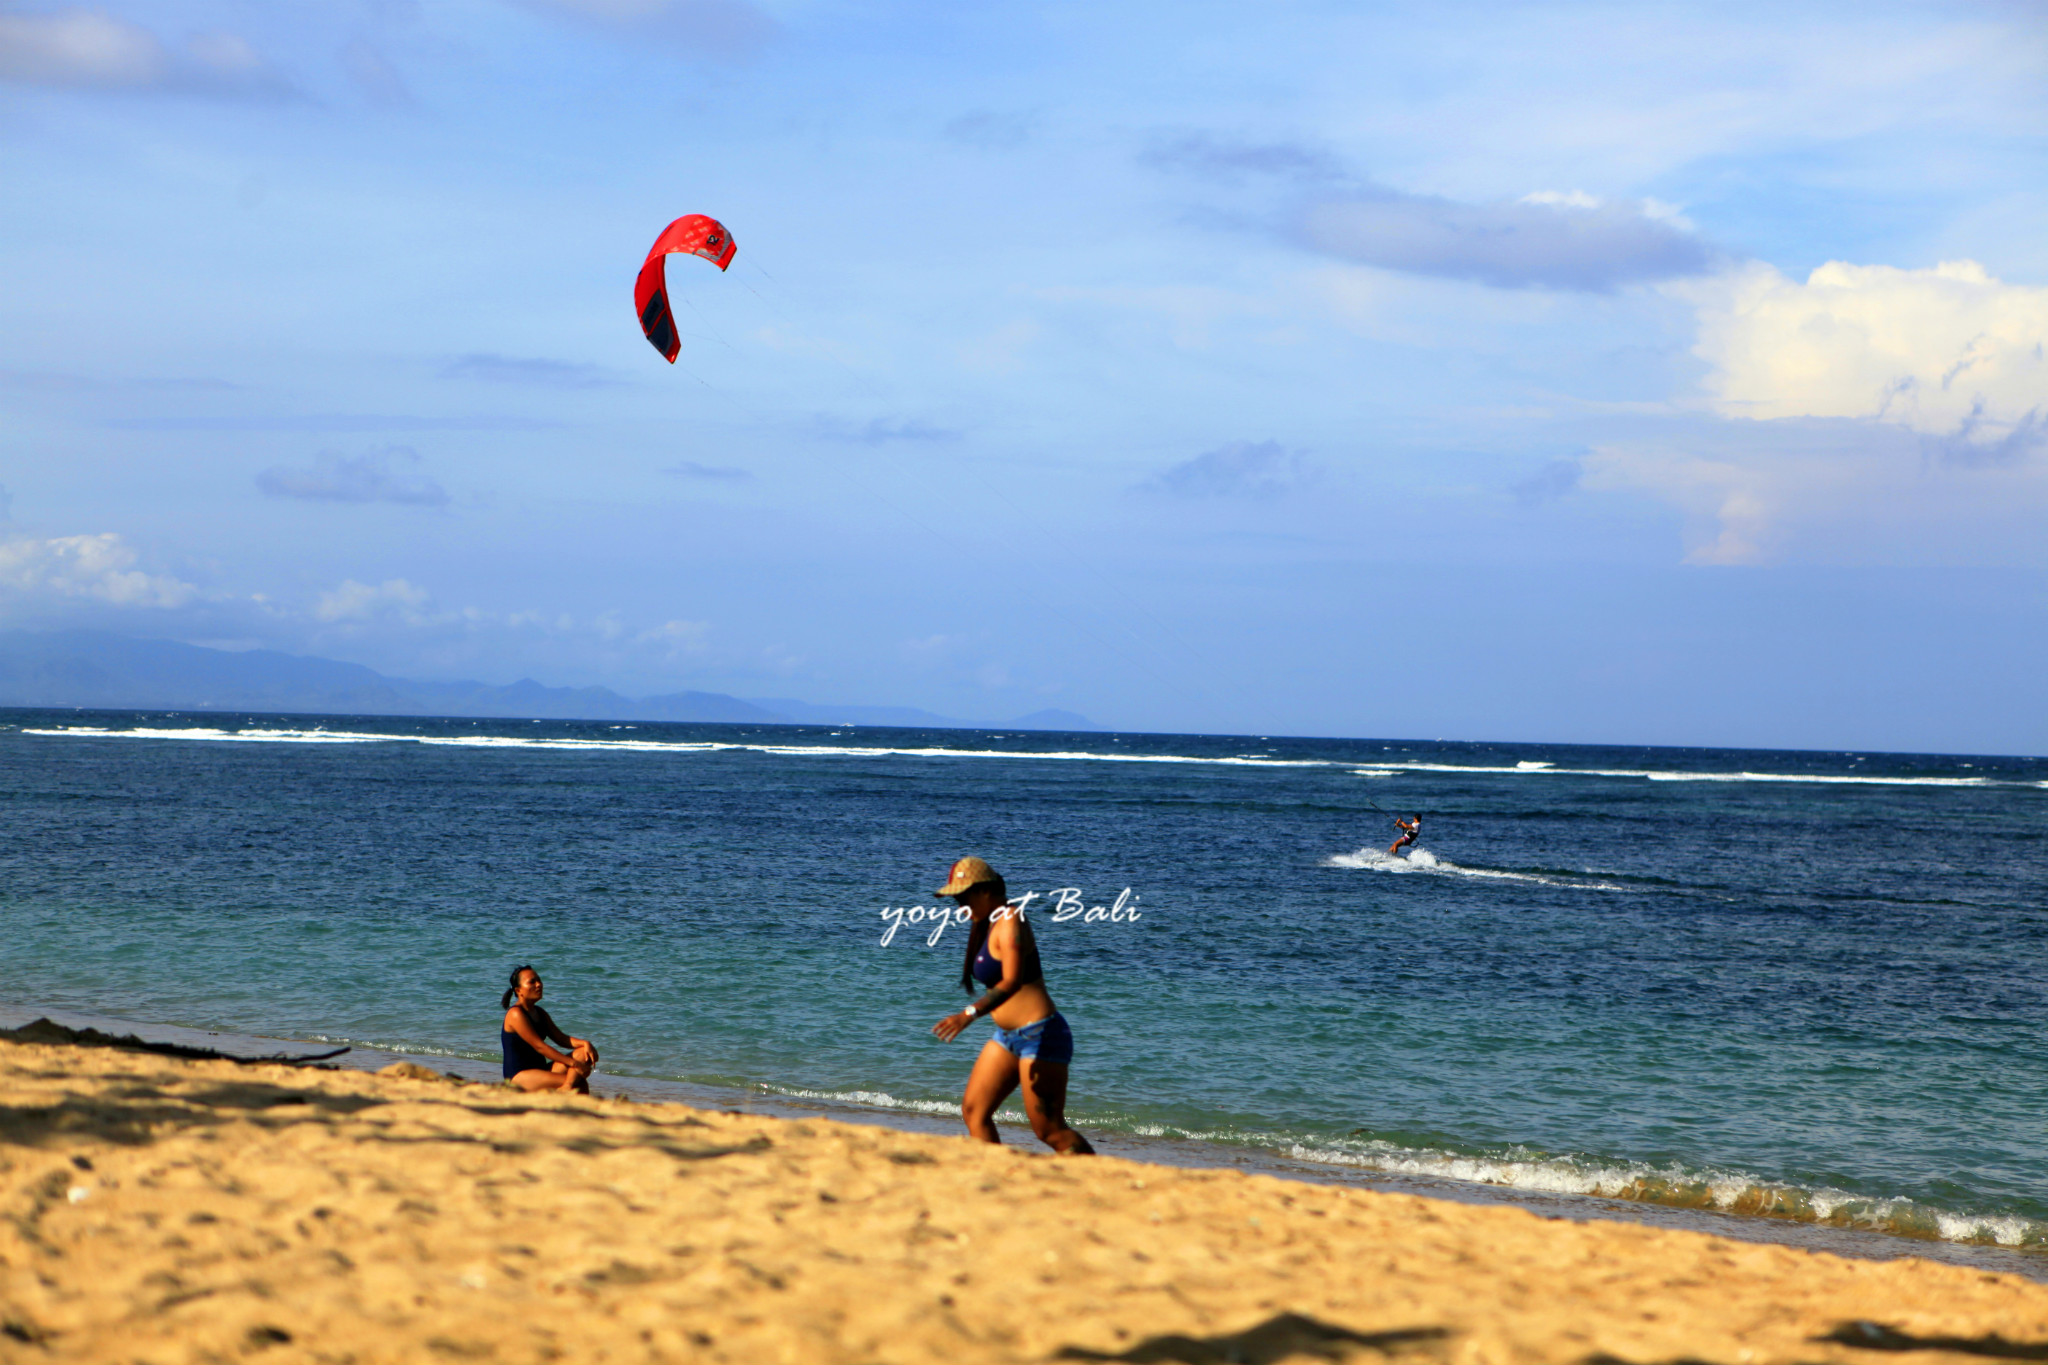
x=970, y=1011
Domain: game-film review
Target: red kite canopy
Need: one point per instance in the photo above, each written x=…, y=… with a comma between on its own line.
x=692, y=233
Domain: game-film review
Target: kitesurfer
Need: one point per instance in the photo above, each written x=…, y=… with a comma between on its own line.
x=1411, y=830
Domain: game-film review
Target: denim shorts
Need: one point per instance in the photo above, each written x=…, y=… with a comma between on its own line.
x=1048, y=1040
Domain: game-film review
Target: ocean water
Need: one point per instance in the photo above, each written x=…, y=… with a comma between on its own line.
x=1809, y=986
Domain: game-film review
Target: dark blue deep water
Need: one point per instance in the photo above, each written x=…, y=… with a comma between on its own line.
x=1814, y=985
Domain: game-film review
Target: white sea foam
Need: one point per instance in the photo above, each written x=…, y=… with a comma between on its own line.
x=317, y=736
x=1529, y=769
x=219, y=736
x=1722, y=1191
x=2005, y=1231
x=1383, y=768
x=877, y=1099
x=1731, y=1192
x=1421, y=860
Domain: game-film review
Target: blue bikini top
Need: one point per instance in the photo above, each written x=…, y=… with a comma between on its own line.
x=988, y=969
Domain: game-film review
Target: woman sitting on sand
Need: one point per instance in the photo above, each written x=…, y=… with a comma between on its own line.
x=1033, y=1044
x=530, y=1063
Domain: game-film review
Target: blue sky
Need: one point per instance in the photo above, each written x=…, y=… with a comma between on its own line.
x=1617, y=372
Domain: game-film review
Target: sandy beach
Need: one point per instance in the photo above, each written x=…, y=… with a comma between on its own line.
x=164, y=1211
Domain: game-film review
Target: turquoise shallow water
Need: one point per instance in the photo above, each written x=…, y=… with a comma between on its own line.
x=1808, y=985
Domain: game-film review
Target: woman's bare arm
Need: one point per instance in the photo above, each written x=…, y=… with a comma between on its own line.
x=517, y=1022
x=553, y=1029
x=1004, y=948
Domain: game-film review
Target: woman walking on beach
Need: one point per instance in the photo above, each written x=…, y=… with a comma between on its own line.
x=530, y=1063
x=1033, y=1044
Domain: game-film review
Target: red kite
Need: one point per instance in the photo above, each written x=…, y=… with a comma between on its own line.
x=698, y=236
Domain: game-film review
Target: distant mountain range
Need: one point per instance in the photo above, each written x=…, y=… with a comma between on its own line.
x=99, y=671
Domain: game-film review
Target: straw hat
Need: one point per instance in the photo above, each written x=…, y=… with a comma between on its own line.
x=968, y=872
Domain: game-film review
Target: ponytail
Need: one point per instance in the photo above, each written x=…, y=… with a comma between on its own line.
x=512, y=990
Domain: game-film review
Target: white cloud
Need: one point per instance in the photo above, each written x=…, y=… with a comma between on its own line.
x=1871, y=414
x=1571, y=199
x=227, y=55
x=1231, y=161
x=693, y=469
x=98, y=581
x=726, y=28
x=676, y=639
x=1950, y=353
x=1733, y=509
x=393, y=599
x=79, y=47
x=403, y=616
x=85, y=49
x=1549, y=239
x=98, y=568
x=1242, y=469
x=1826, y=490
x=356, y=478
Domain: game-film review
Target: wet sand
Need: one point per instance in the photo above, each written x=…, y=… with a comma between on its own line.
x=174, y=1211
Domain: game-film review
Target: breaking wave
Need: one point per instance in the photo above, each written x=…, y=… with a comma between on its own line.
x=1676, y=1187
x=322, y=736
x=1531, y=769
x=1379, y=768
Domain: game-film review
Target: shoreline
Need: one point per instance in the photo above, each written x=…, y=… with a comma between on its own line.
x=1185, y=1154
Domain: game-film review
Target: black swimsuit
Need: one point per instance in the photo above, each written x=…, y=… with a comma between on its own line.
x=521, y=1055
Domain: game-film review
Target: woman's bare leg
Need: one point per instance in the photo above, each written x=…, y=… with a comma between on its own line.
x=559, y=1078
x=536, y=1079
x=988, y=1085
x=1045, y=1103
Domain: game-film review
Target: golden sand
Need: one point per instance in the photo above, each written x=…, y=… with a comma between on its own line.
x=168, y=1211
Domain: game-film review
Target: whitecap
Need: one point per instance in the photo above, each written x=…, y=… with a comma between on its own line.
x=320, y=736
x=1378, y=769
x=1528, y=769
